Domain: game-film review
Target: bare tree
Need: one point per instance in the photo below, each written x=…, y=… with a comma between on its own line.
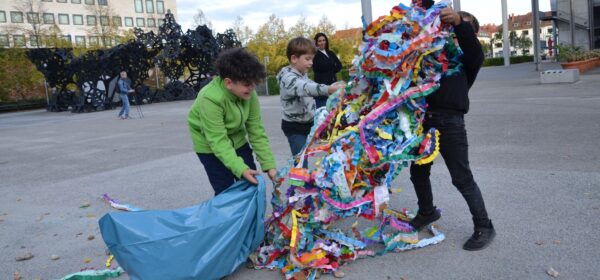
x=243, y=32
x=105, y=26
x=34, y=23
x=200, y=19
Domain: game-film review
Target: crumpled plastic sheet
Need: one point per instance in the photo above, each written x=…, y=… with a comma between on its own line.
x=205, y=241
x=95, y=274
x=360, y=142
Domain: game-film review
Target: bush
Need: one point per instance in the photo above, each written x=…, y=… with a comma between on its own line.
x=20, y=79
x=273, y=85
x=498, y=61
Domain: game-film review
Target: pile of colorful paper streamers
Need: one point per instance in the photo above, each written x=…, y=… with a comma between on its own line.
x=358, y=145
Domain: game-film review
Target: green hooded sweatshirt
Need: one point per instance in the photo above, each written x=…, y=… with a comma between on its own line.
x=219, y=122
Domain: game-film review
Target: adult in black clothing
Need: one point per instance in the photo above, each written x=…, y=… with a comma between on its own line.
x=447, y=107
x=325, y=65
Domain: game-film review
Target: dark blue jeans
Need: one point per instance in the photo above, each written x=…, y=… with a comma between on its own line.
x=320, y=101
x=455, y=151
x=219, y=175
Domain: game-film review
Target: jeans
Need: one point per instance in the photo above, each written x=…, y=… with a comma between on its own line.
x=125, y=110
x=455, y=151
x=297, y=142
x=320, y=101
x=219, y=176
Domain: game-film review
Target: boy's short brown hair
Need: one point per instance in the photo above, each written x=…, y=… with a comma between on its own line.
x=299, y=46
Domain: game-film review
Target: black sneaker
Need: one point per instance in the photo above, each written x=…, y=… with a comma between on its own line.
x=420, y=221
x=481, y=238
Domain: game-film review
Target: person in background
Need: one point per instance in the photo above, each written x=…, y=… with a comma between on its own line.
x=124, y=86
x=225, y=117
x=325, y=65
x=446, y=109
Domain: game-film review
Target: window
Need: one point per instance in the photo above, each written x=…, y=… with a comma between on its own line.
x=63, y=19
x=33, y=17
x=91, y=20
x=149, y=6
x=33, y=41
x=78, y=19
x=48, y=0
x=103, y=2
x=4, y=40
x=74, y=2
x=160, y=7
x=16, y=17
x=107, y=41
x=88, y=2
x=516, y=24
x=528, y=23
x=117, y=21
x=80, y=41
x=128, y=21
x=94, y=41
x=139, y=22
x=19, y=40
x=48, y=18
x=104, y=21
x=525, y=32
x=161, y=21
x=2, y=17
x=498, y=45
x=61, y=1
x=67, y=38
x=525, y=52
x=151, y=22
x=139, y=6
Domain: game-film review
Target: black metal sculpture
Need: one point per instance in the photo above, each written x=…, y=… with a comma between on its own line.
x=87, y=83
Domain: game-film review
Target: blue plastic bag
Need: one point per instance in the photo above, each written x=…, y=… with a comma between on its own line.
x=206, y=241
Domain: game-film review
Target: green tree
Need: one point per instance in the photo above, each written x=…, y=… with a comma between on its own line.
x=302, y=28
x=20, y=80
x=524, y=43
x=325, y=26
x=270, y=41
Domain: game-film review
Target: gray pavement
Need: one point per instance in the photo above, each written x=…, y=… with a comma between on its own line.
x=534, y=154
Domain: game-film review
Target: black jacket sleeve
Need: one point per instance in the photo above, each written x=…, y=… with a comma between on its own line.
x=473, y=53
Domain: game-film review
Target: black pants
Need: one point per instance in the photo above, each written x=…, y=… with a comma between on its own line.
x=219, y=175
x=455, y=151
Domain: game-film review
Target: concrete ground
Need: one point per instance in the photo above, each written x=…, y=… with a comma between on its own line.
x=534, y=153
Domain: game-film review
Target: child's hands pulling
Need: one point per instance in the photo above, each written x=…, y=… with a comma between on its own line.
x=272, y=173
x=249, y=175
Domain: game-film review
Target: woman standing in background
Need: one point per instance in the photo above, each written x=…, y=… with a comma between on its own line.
x=325, y=65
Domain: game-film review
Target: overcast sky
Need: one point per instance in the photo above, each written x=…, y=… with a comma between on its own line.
x=343, y=13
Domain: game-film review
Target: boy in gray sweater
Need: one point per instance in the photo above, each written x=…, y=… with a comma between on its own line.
x=297, y=92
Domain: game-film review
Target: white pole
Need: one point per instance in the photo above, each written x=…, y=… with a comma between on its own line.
x=536, y=34
x=456, y=4
x=366, y=10
x=505, y=43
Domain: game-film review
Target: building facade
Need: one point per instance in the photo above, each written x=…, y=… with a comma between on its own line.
x=80, y=23
x=520, y=30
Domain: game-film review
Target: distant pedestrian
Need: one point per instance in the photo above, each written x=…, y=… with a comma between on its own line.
x=297, y=92
x=226, y=125
x=445, y=112
x=325, y=65
x=124, y=87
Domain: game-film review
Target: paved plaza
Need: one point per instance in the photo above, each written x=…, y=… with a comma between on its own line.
x=533, y=150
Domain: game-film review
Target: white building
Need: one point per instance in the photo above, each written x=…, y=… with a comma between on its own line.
x=81, y=22
x=522, y=27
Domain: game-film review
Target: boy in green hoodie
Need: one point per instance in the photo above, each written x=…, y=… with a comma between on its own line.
x=226, y=125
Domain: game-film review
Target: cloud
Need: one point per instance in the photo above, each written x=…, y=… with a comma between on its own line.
x=343, y=13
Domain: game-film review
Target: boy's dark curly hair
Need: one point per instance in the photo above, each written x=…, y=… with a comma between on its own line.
x=239, y=65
